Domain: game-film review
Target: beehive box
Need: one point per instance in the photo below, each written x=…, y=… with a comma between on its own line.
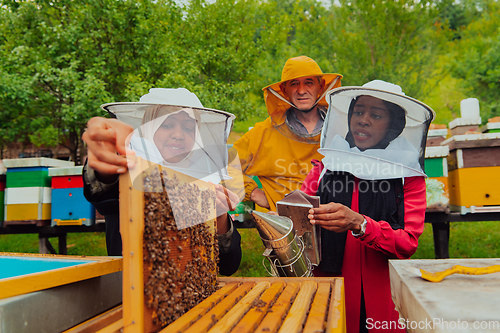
x=168, y=269
x=2, y=198
x=492, y=126
x=436, y=168
x=28, y=190
x=473, y=168
x=69, y=204
x=48, y=293
x=436, y=136
x=269, y=305
x=249, y=304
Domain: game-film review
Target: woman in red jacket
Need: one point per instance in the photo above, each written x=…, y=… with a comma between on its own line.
x=372, y=189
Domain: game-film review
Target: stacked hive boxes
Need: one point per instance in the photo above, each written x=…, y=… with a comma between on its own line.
x=436, y=168
x=28, y=190
x=493, y=126
x=67, y=191
x=473, y=169
x=2, y=197
x=470, y=118
x=473, y=163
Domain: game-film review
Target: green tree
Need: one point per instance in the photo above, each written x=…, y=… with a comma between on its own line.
x=477, y=60
x=75, y=56
x=221, y=45
x=395, y=41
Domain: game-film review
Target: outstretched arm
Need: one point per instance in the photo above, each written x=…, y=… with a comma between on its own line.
x=105, y=139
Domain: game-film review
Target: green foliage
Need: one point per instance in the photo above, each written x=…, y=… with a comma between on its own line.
x=477, y=60
x=395, y=41
x=60, y=60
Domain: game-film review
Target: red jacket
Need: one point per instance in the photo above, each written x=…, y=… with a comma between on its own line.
x=365, y=266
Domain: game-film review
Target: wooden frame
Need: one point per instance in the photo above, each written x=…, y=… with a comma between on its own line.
x=137, y=316
x=255, y=304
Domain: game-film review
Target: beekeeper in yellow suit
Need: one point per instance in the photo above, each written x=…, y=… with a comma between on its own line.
x=279, y=150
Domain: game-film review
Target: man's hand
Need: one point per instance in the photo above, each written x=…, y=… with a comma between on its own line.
x=336, y=217
x=105, y=139
x=259, y=197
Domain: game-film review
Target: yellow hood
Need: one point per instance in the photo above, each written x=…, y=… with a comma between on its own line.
x=276, y=101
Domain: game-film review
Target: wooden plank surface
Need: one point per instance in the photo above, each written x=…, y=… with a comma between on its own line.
x=198, y=311
x=272, y=321
x=457, y=303
x=232, y=317
x=266, y=305
x=132, y=228
x=317, y=315
x=298, y=312
x=259, y=309
x=336, y=322
x=207, y=321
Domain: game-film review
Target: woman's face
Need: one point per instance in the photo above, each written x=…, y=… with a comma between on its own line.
x=369, y=122
x=175, y=137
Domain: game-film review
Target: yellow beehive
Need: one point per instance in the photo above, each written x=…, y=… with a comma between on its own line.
x=473, y=168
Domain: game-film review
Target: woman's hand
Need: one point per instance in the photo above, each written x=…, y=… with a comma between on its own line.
x=225, y=201
x=105, y=139
x=336, y=217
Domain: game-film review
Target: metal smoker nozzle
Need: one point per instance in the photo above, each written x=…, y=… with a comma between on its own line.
x=283, y=249
x=273, y=229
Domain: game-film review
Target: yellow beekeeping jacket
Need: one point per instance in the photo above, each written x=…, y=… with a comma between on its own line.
x=280, y=157
x=280, y=162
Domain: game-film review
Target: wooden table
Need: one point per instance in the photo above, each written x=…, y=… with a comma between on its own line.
x=459, y=303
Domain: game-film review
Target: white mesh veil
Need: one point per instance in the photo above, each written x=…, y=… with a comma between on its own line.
x=402, y=156
x=186, y=138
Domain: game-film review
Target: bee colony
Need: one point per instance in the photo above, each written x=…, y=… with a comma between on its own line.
x=170, y=250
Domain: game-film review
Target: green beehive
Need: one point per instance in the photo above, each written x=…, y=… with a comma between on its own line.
x=28, y=177
x=2, y=198
x=28, y=190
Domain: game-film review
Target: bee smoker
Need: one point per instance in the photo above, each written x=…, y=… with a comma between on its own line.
x=284, y=249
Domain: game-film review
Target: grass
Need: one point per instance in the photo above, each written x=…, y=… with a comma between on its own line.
x=467, y=240
x=88, y=244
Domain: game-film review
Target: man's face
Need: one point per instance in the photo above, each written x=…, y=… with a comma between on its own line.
x=304, y=91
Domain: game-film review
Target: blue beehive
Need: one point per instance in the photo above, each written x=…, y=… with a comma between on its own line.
x=69, y=206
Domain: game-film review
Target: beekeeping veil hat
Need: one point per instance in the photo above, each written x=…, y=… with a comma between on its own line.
x=399, y=154
x=208, y=158
x=277, y=102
